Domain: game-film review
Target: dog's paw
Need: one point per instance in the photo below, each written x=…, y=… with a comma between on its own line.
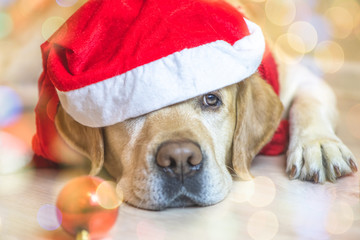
x=319, y=160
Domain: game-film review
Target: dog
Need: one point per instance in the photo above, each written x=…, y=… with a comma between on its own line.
x=189, y=153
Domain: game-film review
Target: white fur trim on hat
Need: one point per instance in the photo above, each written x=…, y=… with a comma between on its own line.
x=169, y=80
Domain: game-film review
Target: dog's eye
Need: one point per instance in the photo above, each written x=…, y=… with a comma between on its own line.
x=211, y=100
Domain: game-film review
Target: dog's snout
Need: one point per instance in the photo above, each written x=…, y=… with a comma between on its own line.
x=179, y=157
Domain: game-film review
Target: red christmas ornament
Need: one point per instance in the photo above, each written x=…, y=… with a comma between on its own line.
x=89, y=205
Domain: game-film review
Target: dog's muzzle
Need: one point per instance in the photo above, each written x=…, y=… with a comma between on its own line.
x=180, y=165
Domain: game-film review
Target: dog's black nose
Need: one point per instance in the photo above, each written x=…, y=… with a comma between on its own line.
x=179, y=158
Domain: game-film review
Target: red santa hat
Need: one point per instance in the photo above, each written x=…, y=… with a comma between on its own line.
x=114, y=60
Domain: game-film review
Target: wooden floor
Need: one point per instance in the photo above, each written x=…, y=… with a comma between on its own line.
x=269, y=207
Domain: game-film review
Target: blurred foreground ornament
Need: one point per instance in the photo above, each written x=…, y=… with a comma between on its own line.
x=14, y=153
x=89, y=207
x=10, y=106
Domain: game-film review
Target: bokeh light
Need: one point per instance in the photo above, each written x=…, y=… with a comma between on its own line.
x=6, y=25
x=307, y=33
x=353, y=120
x=351, y=5
x=329, y=56
x=51, y=25
x=357, y=26
x=148, y=231
x=242, y=191
x=280, y=12
x=342, y=22
x=6, y=3
x=66, y=3
x=340, y=218
x=79, y=204
x=49, y=217
x=264, y=192
x=290, y=47
x=107, y=195
x=14, y=153
x=10, y=106
x=263, y=225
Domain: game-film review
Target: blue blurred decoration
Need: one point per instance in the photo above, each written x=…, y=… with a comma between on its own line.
x=6, y=3
x=11, y=106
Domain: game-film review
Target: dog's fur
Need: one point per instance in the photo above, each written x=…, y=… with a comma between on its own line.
x=229, y=137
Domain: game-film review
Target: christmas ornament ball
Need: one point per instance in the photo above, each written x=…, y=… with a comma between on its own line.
x=82, y=206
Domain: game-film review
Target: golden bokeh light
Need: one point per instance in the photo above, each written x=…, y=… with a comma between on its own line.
x=290, y=47
x=107, y=195
x=329, y=56
x=357, y=25
x=340, y=218
x=280, y=12
x=50, y=26
x=264, y=192
x=307, y=34
x=350, y=5
x=341, y=20
x=263, y=225
x=242, y=191
x=353, y=120
x=6, y=25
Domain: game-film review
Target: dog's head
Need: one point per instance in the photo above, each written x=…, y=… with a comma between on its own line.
x=184, y=154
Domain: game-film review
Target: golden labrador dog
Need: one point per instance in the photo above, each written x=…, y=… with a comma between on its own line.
x=188, y=153
x=183, y=154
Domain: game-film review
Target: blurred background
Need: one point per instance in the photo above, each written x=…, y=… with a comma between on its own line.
x=322, y=34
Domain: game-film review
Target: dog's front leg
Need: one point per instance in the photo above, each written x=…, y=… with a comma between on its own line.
x=315, y=153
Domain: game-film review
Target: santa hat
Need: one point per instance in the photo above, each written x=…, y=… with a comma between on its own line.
x=114, y=60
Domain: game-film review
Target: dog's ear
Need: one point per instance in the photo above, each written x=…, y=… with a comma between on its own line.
x=258, y=113
x=86, y=140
